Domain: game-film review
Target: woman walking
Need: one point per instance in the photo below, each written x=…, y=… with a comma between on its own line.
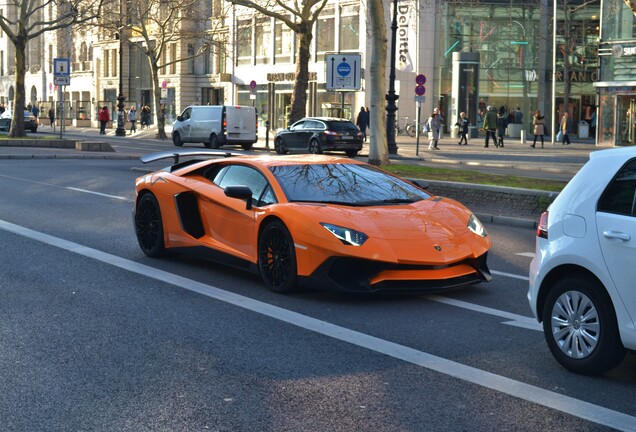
x=132, y=118
x=566, y=128
x=502, y=124
x=538, y=121
x=463, y=128
x=434, y=125
x=104, y=118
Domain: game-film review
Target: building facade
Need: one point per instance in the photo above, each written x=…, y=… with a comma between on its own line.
x=511, y=46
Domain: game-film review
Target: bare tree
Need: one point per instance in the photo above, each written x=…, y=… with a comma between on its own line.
x=304, y=14
x=378, y=147
x=25, y=20
x=156, y=27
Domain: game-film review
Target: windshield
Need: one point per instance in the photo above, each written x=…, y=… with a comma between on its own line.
x=347, y=184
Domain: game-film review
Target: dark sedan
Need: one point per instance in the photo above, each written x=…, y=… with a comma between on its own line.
x=30, y=122
x=318, y=134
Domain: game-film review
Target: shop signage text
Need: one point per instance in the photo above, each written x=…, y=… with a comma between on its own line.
x=288, y=76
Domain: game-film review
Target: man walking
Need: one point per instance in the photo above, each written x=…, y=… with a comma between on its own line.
x=490, y=125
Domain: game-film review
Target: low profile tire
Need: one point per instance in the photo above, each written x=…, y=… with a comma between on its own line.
x=277, y=258
x=580, y=327
x=314, y=147
x=149, y=226
x=351, y=153
x=213, y=142
x=176, y=139
x=279, y=146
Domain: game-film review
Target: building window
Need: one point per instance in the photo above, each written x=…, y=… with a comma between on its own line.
x=283, y=43
x=164, y=60
x=190, y=58
x=50, y=58
x=244, y=42
x=106, y=63
x=2, y=63
x=350, y=28
x=114, y=62
x=326, y=29
x=263, y=40
x=173, y=58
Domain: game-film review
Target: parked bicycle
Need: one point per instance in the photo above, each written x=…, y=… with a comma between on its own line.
x=405, y=128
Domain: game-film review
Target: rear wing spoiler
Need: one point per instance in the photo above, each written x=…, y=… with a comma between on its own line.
x=178, y=153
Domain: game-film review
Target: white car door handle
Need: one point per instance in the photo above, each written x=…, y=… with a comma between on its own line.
x=617, y=235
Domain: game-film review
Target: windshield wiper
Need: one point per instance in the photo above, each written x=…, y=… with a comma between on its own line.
x=388, y=201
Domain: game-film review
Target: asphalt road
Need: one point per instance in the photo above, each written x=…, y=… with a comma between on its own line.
x=96, y=336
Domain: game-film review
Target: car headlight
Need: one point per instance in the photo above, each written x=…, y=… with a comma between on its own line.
x=475, y=226
x=347, y=236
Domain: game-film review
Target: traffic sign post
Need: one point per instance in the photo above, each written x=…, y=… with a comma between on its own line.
x=61, y=77
x=343, y=71
x=420, y=90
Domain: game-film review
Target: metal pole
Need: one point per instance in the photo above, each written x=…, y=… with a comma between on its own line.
x=60, y=97
x=554, y=38
x=121, y=131
x=391, y=97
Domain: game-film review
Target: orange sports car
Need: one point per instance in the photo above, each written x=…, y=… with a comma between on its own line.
x=309, y=220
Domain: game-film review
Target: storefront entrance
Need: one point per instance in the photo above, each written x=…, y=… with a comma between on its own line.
x=617, y=117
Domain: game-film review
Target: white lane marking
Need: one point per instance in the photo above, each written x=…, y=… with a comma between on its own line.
x=530, y=393
x=526, y=254
x=96, y=193
x=515, y=320
x=510, y=275
x=67, y=188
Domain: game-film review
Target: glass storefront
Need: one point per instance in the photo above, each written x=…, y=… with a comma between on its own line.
x=617, y=86
x=515, y=45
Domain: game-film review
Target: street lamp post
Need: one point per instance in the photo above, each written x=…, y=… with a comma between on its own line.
x=121, y=130
x=391, y=97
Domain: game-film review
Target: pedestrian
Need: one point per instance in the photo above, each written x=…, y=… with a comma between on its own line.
x=538, y=121
x=566, y=128
x=518, y=116
x=463, y=128
x=52, y=117
x=132, y=118
x=36, y=113
x=593, y=122
x=104, y=118
x=434, y=125
x=145, y=117
x=362, y=122
x=490, y=125
x=502, y=124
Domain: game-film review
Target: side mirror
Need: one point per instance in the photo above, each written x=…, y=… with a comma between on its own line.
x=240, y=192
x=422, y=184
x=179, y=118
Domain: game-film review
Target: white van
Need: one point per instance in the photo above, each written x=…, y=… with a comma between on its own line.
x=216, y=125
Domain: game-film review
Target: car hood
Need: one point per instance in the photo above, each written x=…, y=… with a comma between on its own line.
x=405, y=233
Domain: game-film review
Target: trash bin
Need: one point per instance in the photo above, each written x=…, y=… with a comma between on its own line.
x=584, y=129
x=473, y=132
x=454, y=132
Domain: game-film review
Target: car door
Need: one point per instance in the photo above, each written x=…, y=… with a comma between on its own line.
x=616, y=231
x=294, y=138
x=312, y=128
x=232, y=226
x=183, y=124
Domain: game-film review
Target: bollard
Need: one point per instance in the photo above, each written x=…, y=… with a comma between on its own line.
x=267, y=134
x=523, y=136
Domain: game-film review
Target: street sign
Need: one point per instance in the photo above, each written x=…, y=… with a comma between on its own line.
x=420, y=99
x=61, y=67
x=344, y=71
x=420, y=90
x=420, y=79
x=252, y=84
x=61, y=80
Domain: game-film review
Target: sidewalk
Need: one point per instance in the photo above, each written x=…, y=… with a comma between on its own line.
x=490, y=203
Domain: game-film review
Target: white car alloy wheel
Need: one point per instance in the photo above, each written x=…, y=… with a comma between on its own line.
x=575, y=324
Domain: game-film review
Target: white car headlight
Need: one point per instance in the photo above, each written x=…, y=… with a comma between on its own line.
x=347, y=236
x=475, y=226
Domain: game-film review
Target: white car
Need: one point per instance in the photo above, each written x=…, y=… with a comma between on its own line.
x=583, y=275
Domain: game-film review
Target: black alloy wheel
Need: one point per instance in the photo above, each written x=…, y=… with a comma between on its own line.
x=214, y=142
x=279, y=146
x=149, y=226
x=314, y=146
x=277, y=258
x=176, y=139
